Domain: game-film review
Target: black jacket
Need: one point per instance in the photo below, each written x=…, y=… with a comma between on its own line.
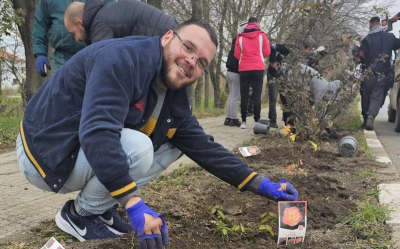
x=104, y=20
x=374, y=46
x=276, y=56
x=232, y=64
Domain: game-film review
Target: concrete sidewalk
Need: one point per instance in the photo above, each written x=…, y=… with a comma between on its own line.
x=23, y=206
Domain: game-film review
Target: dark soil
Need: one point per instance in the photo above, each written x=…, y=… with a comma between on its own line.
x=332, y=186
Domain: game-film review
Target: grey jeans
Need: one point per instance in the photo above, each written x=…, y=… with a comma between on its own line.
x=145, y=165
x=234, y=95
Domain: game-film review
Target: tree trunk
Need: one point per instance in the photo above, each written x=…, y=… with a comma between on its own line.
x=206, y=13
x=33, y=80
x=155, y=3
x=217, y=90
x=197, y=93
x=207, y=91
x=1, y=78
x=213, y=79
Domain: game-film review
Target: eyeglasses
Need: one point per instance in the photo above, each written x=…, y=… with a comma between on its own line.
x=188, y=50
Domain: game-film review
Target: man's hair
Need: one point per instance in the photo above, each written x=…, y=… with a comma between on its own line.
x=210, y=30
x=74, y=11
x=375, y=20
x=253, y=19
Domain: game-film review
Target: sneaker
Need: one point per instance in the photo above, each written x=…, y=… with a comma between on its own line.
x=234, y=122
x=273, y=124
x=82, y=227
x=243, y=125
x=227, y=121
x=114, y=221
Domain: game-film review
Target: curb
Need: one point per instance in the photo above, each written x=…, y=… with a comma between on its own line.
x=390, y=191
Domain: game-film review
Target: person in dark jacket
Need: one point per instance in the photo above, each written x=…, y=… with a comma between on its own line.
x=375, y=55
x=48, y=28
x=232, y=75
x=275, y=59
x=251, y=47
x=98, y=20
x=114, y=117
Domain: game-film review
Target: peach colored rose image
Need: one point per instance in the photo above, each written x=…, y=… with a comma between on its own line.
x=291, y=216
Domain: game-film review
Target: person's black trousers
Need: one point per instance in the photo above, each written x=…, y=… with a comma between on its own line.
x=255, y=80
x=373, y=94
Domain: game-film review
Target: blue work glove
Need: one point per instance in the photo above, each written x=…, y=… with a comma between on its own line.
x=41, y=62
x=136, y=216
x=271, y=190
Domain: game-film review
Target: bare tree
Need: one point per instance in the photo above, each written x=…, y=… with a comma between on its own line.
x=11, y=51
x=26, y=9
x=218, y=60
x=206, y=13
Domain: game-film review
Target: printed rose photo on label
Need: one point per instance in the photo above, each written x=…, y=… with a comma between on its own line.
x=292, y=216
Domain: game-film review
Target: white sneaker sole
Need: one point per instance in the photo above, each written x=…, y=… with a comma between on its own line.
x=66, y=227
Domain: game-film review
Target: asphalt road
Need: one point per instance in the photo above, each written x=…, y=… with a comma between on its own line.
x=388, y=137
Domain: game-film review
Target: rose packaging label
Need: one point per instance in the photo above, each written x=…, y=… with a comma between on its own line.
x=292, y=222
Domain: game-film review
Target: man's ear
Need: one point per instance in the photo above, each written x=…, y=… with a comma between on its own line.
x=167, y=38
x=79, y=22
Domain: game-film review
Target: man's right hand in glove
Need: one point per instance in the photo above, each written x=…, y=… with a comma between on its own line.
x=278, y=191
x=41, y=62
x=148, y=226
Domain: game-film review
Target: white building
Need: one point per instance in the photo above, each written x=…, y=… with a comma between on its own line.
x=8, y=78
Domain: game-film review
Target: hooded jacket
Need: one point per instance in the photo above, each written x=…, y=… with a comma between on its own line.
x=103, y=20
x=104, y=96
x=251, y=47
x=377, y=43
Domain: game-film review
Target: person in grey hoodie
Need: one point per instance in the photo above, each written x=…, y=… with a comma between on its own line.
x=375, y=54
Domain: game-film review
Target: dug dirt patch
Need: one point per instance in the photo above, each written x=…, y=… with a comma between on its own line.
x=191, y=200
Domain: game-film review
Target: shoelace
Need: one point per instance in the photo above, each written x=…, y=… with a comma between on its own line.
x=98, y=226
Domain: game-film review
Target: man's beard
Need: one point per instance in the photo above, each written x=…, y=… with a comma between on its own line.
x=166, y=76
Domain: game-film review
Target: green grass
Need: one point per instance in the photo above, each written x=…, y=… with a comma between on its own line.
x=365, y=174
x=367, y=222
x=210, y=112
x=8, y=131
x=352, y=120
x=11, y=113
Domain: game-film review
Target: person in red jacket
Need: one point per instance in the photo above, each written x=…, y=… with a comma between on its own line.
x=251, y=47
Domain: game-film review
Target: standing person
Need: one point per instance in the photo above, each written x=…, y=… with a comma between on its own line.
x=251, y=47
x=232, y=75
x=97, y=20
x=375, y=55
x=48, y=28
x=122, y=121
x=275, y=59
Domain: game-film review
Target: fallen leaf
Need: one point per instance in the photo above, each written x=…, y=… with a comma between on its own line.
x=314, y=145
